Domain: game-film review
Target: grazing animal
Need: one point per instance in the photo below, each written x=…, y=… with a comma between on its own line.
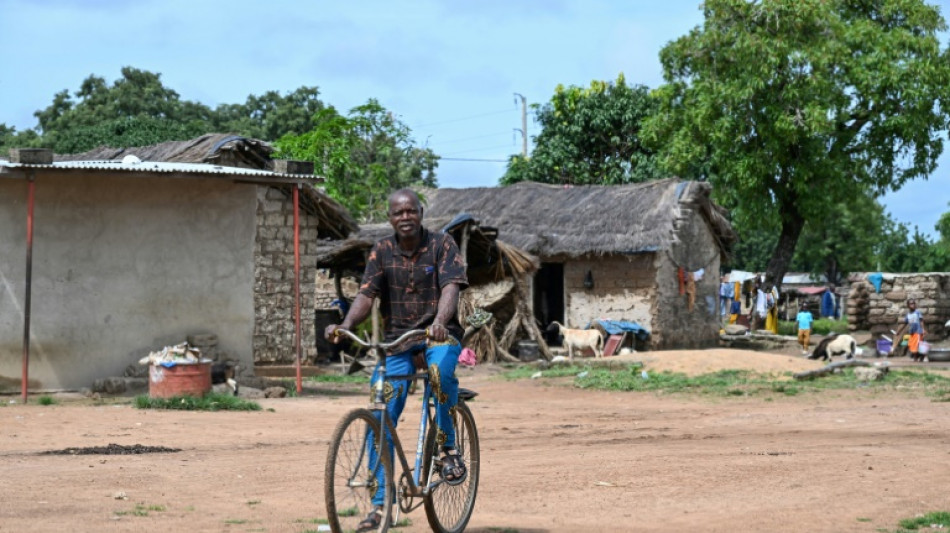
x=580, y=339
x=222, y=373
x=833, y=345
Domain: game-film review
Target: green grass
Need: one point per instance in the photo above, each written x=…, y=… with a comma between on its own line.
x=937, y=520
x=141, y=509
x=209, y=402
x=821, y=326
x=46, y=400
x=736, y=383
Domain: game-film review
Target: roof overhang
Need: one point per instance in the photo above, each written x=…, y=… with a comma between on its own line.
x=152, y=169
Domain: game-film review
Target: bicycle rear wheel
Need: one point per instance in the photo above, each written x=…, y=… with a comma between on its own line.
x=350, y=482
x=448, y=507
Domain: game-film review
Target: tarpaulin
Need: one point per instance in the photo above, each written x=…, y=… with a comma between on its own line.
x=616, y=327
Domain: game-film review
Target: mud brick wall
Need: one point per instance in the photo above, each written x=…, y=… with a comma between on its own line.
x=624, y=289
x=880, y=312
x=274, y=327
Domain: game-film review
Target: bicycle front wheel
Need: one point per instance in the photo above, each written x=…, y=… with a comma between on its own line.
x=448, y=507
x=355, y=466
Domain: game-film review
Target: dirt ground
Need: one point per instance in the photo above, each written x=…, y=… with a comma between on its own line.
x=554, y=458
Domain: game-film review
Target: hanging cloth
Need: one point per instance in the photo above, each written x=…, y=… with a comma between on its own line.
x=876, y=279
x=690, y=292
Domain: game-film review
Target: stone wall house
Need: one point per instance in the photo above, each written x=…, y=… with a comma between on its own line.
x=138, y=248
x=627, y=252
x=879, y=310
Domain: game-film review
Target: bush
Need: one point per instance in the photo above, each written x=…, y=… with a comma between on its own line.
x=821, y=326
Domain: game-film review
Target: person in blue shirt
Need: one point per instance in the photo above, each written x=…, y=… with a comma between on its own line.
x=726, y=291
x=804, y=319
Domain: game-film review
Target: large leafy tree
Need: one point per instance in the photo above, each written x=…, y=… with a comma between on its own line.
x=901, y=250
x=792, y=107
x=843, y=240
x=589, y=136
x=136, y=109
x=363, y=156
x=270, y=115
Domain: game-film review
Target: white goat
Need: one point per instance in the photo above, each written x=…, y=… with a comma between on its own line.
x=836, y=345
x=580, y=339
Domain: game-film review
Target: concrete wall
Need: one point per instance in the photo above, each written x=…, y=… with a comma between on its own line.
x=624, y=289
x=123, y=266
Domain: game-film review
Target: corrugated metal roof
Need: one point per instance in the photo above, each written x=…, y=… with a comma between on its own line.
x=134, y=165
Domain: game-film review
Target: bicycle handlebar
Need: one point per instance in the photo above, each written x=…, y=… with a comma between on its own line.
x=383, y=345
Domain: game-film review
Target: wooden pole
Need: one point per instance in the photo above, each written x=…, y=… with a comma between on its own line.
x=27, y=299
x=297, y=284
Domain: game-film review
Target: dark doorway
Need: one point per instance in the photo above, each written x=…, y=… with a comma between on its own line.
x=549, y=298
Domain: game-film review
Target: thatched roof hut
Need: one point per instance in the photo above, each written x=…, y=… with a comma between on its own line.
x=553, y=220
x=631, y=252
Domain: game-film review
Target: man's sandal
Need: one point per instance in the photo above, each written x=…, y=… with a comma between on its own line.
x=453, y=467
x=371, y=522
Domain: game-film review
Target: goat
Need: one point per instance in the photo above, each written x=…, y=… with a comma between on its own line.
x=835, y=345
x=580, y=339
x=223, y=373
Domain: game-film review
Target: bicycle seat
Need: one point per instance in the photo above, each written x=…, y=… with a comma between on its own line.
x=467, y=394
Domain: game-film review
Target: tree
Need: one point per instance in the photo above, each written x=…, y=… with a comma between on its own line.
x=136, y=110
x=792, y=107
x=589, y=136
x=943, y=228
x=901, y=251
x=270, y=116
x=842, y=241
x=11, y=138
x=364, y=157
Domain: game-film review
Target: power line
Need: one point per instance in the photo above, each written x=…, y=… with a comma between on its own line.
x=461, y=119
x=472, y=138
x=482, y=149
x=475, y=160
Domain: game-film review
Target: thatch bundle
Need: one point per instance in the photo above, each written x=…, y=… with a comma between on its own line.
x=553, y=220
x=489, y=260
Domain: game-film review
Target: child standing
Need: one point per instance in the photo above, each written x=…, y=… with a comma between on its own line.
x=915, y=327
x=804, y=319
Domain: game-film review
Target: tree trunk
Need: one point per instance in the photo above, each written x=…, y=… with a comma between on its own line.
x=792, y=223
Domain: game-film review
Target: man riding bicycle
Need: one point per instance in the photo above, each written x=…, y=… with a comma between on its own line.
x=417, y=275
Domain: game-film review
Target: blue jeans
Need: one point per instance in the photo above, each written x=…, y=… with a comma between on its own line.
x=441, y=360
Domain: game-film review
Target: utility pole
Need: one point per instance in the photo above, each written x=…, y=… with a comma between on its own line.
x=524, y=124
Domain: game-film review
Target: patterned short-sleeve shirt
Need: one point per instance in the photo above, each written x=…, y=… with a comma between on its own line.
x=408, y=284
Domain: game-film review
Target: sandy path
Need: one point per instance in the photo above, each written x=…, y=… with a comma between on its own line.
x=555, y=458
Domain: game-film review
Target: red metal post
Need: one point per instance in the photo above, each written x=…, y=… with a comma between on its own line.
x=29, y=286
x=297, y=282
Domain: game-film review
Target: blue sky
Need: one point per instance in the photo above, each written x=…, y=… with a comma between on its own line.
x=450, y=70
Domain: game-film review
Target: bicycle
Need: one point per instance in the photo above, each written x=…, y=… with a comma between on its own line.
x=351, y=481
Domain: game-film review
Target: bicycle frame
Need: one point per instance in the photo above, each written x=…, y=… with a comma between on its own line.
x=427, y=416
